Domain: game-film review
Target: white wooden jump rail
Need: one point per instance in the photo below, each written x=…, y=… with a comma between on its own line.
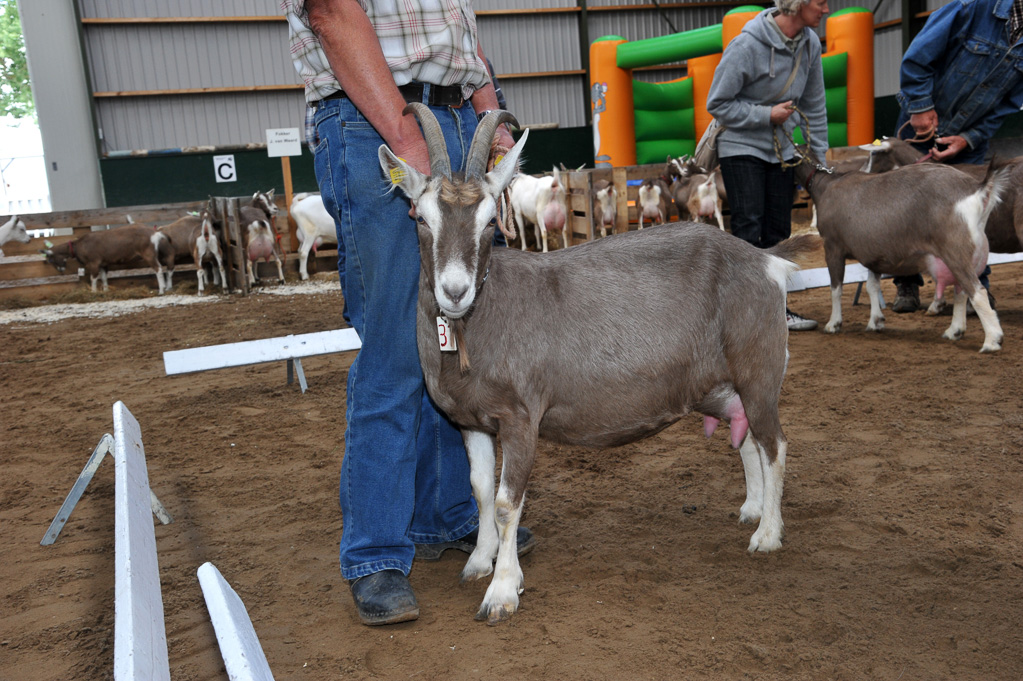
x=287, y=348
x=244, y=659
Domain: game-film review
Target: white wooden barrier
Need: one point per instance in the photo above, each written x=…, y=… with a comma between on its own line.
x=244, y=659
x=290, y=348
x=140, y=640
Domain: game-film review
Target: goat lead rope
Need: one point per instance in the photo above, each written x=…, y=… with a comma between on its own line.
x=777, y=144
x=916, y=139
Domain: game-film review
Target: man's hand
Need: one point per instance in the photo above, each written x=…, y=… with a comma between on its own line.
x=781, y=112
x=503, y=142
x=955, y=145
x=924, y=123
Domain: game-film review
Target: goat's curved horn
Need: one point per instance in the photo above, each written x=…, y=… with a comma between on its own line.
x=440, y=163
x=479, y=150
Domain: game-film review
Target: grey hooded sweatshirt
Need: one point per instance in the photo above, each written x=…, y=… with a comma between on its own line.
x=748, y=82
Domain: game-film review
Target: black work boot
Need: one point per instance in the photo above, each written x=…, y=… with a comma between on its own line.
x=907, y=297
x=384, y=597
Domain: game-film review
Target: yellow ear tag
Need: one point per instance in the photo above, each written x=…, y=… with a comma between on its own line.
x=498, y=160
x=398, y=175
x=876, y=143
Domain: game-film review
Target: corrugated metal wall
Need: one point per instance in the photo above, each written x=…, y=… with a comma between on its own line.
x=534, y=44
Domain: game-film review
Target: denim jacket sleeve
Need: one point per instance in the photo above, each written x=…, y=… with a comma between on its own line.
x=986, y=128
x=925, y=53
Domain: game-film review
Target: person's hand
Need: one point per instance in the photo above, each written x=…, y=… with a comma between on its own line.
x=955, y=144
x=924, y=123
x=781, y=112
x=503, y=141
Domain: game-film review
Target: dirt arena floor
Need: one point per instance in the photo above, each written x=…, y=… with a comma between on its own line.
x=903, y=558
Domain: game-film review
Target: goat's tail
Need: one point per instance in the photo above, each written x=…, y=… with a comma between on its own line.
x=993, y=186
x=795, y=249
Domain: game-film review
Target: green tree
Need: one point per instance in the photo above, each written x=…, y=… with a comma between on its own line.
x=15, y=89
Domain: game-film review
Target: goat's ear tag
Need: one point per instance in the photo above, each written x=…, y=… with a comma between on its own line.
x=445, y=336
x=498, y=160
x=398, y=173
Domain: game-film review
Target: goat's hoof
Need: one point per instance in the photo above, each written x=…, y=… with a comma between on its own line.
x=953, y=334
x=765, y=541
x=748, y=516
x=877, y=325
x=495, y=614
x=832, y=327
x=991, y=347
x=474, y=574
x=934, y=309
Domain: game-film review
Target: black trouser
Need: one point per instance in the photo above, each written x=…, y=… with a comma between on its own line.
x=759, y=198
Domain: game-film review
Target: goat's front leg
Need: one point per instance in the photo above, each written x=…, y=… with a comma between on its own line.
x=771, y=529
x=519, y=450
x=480, y=448
x=876, y=322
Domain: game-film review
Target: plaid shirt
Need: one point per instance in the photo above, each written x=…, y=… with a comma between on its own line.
x=428, y=41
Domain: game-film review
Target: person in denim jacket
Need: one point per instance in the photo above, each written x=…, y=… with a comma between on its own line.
x=961, y=76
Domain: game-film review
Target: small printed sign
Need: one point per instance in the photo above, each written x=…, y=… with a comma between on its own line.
x=283, y=142
x=445, y=335
x=224, y=169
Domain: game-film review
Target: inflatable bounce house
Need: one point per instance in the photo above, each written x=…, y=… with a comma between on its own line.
x=640, y=123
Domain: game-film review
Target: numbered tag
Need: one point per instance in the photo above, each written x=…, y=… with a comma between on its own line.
x=445, y=335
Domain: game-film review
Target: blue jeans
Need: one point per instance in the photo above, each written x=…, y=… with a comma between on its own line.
x=405, y=473
x=759, y=198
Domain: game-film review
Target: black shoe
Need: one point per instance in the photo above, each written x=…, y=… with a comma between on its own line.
x=525, y=540
x=384, y=597
x=907, y=298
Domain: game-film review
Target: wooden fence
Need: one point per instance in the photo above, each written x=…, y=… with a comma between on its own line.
x=25, y=273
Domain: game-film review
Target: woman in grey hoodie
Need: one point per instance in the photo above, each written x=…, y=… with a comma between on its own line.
x=769, y=70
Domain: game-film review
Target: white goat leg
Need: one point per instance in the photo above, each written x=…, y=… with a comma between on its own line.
x=480, y=448
x=834, y=324
x=876, y=322
x=753, y=508
x=768, y=535
x=989, y=320
x=502, y=597
x=957, y=328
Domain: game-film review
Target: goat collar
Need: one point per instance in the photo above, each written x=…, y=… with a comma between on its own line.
x=71, y=249
x=816, y=167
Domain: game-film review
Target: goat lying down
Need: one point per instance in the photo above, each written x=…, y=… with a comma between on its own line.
x=916, y=218
x=696, y=323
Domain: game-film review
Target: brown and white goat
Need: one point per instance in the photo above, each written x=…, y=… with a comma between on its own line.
x=695, y=321
x=13, y=230
x=98, y=251
x=542, y=202
x=654, y=202
x=695, y=192
x=605, y=205
x=916, y=218
x=259, y=234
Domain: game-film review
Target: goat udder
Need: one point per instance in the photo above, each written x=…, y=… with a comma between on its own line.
x=260, y=248
x=738, y=424
x=554, y=216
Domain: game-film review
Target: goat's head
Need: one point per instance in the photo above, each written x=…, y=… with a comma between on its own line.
x=56, y=255
x=455, y=215
x=265, y=201
x=17, y=232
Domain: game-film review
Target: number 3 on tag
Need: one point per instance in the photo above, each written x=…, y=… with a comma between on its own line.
x=445, y=335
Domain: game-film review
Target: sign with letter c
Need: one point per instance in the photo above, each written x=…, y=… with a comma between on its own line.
x=223, y=168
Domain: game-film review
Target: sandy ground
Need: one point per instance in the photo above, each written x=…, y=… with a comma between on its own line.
x=903, y=556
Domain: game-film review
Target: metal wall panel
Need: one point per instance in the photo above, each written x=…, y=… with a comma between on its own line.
x=118, y=9
x=132, y=123
x=176, y=56
x=547, y=100
x=531, y=44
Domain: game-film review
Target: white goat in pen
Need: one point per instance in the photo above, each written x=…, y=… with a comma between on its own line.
x=689, y=319
x=605, y=205
x=917, y=218
x=13, y=230
x=542, y=202
x=315, y=227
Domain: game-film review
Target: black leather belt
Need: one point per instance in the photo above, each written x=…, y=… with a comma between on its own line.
x=440, y=95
